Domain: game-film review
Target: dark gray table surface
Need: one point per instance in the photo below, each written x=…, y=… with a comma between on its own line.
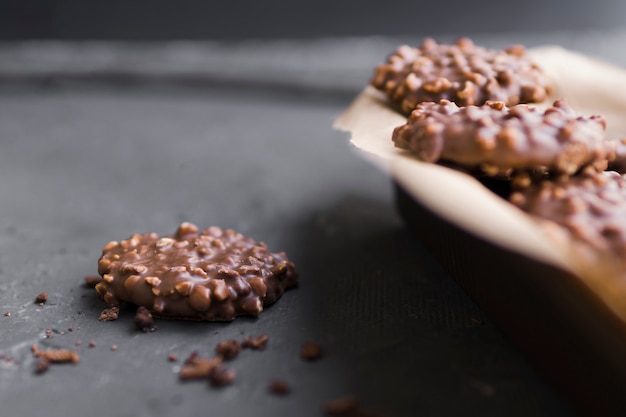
x=83, y=164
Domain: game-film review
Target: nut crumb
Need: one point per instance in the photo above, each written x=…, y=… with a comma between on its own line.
x=279, y=387
x=228, y=349
x=41, y=298
x=311, y=351
x=341, y=406
x=196, y=367
x=256, y=343
x=221, y=376
x=42, y=366
x=109, y=314
x=46, y=357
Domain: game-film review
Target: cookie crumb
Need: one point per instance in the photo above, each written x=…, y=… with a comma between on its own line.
x=113, y=347
x=92, y=280
x=228, y=349
x=92, y=344
x=41, y=298
x=311, y=351
x=109, y=314
x=70, y=329
x=7, y=314
x=144, y=321
x=172, y=357
x=279, y=387
x=78, y=343
x=49, y=334
x=256, y=343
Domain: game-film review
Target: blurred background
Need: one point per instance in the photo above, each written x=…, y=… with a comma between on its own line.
x=326, y=46
x=271, y=19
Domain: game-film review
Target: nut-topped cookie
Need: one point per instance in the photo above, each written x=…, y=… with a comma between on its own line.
x=592, y=207
x=463, y=73
x=499, y=139
x=214, y=274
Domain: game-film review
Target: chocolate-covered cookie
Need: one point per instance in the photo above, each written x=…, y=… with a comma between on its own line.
x=212, y=275
x=463, y=73
x=591, y=206
x=499, y=139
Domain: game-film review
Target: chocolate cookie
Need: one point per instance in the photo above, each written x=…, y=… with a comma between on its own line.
x=499, y=139
x=212, y=275
x=462, y=73
x=591, y=206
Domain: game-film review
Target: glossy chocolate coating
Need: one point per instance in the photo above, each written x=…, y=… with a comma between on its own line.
x=463, y=73
x=499, y=139
x=212, y=275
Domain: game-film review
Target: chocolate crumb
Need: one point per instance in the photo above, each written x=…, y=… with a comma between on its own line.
x=113, y=347
x=172, y=357
x=256, y=343
x=7, y=314
x=92, y=344
x=143, y=320
x=109, y=314
x=92, y=280
x=41, y=298
x=228, y=349
x=70, y=329
x=341, y=406
x=311, y=351
x=279, y=387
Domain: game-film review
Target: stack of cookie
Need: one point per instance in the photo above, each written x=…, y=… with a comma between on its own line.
x=482, y=111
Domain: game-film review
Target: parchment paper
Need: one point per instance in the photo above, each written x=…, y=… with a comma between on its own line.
x=589, y=86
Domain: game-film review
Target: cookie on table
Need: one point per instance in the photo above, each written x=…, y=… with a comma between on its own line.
x=214, y=274
x=499, y=140
x=463, y=73
x=592, y=207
